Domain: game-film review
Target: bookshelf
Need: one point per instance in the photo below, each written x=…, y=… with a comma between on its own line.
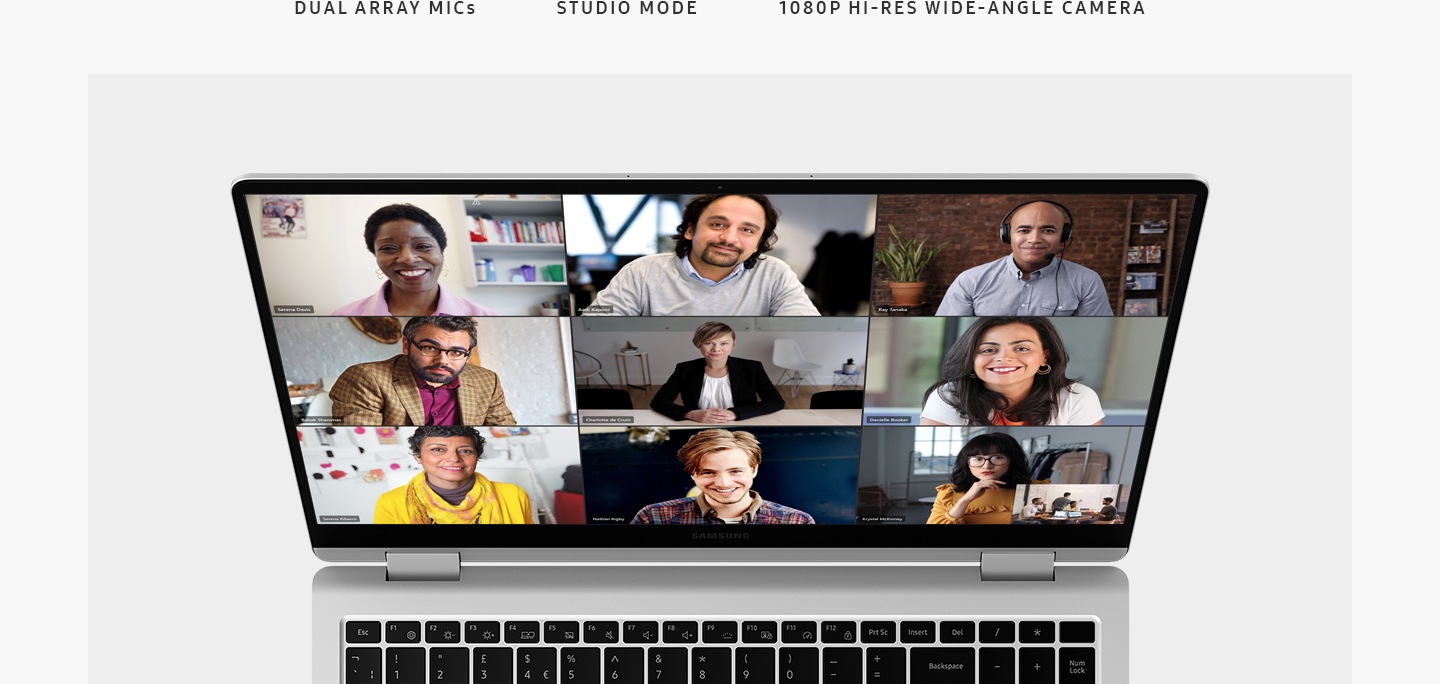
x=1145, y=261
x=511, y=232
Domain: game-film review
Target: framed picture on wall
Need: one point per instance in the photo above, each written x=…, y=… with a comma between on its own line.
x=282, y=216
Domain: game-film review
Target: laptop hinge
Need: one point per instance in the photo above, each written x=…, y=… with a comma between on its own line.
x=1036, y=566
x=422, y=567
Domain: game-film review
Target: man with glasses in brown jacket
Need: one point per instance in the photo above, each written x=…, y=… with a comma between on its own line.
x=430, y=383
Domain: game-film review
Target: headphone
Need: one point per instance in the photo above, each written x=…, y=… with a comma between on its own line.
x=1065, y=232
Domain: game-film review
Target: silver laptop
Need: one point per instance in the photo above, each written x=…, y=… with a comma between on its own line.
x=741, y=429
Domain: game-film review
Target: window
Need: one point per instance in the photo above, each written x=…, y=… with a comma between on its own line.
x=630, y=224
x=935, y=448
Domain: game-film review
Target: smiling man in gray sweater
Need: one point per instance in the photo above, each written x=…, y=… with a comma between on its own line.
x=716, y=270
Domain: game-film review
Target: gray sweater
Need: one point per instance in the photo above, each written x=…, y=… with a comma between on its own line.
x=657, y=285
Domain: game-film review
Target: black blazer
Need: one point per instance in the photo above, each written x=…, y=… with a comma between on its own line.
x=747, y=381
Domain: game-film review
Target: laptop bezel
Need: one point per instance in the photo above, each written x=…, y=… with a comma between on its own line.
x=623, y=543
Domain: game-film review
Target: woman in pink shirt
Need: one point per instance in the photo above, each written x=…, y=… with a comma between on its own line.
x=409, y=247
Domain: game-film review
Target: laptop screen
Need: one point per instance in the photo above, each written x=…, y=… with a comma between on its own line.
x=831, y=363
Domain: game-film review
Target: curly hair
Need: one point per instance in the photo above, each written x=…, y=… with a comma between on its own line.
x=425, y=432
x=402, y=212
x=697, y=206
x=977, y=403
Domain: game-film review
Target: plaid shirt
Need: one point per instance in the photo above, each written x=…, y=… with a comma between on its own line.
x=692, y=511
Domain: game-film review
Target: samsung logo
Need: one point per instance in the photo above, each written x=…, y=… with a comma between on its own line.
x=720, y=535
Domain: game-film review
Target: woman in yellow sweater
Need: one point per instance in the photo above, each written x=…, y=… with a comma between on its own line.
x=982, y=490
x=450, y=491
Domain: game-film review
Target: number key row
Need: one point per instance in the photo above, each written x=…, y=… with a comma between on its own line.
x=702, y=665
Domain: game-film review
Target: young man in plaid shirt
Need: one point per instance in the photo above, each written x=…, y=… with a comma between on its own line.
x=723, y=465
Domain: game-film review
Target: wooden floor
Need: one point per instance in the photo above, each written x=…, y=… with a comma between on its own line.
x=641, y=396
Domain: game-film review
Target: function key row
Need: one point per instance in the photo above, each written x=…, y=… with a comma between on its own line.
x=719, y=632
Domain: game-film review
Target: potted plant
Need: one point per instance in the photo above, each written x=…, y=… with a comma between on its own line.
x=906, y=261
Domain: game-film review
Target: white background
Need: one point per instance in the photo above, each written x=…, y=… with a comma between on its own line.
x=1277, y=599
x=1266, y=145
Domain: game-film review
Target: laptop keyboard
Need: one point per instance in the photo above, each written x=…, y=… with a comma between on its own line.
x=669, y=650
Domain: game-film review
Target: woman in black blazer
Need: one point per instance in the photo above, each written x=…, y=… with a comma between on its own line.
x=717, y=388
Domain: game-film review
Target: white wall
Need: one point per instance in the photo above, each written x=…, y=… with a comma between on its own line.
x=804, y=219
x=668, y=348
x=527, y=353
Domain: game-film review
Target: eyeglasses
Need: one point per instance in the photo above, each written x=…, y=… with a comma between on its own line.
x=992, y=459
x=429, y=352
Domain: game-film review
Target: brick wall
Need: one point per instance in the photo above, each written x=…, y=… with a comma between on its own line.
x=971, y=224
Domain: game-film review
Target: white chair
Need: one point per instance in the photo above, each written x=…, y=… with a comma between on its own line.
x=319, y=405
x=587, y=366
x=795, y=367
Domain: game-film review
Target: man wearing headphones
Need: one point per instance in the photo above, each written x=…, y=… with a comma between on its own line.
x=1035, y=279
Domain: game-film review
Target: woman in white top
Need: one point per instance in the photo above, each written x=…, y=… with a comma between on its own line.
x=718, y=387
x=1009, y=370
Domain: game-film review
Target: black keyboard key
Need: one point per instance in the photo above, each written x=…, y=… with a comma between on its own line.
x=493, y=665
x=1077, y=632
x=642, y=632
x=681, y=632
x=1037, y=666
x=602, y=632
x=1037, y=632
x=841, y=665
x=877, y=632
x=404, y=666
x=1077, y=666
x=534, y=665
x=930, y=665
x=442, y=632
x=884, y=664
x=997, y=632
x=624, y=665
x=450, y=665
x=759, y=633
x=917, y=632
x=721, y=632
x=562, y=632
x=837, y=632
x=709, y=666
x=522, y=632
x=997, y=666
x=362, y=632
x=797, y=632
x=800, y=665
x=482, y=632
x=580, y=665
x=362, y=665
x=402, y=632
x=754, y=666
x=962, y=632
x=665, y=665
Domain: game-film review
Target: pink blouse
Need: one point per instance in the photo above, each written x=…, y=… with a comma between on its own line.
x=449, y=305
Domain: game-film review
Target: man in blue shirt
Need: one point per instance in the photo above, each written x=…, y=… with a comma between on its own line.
x=1034, y=279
